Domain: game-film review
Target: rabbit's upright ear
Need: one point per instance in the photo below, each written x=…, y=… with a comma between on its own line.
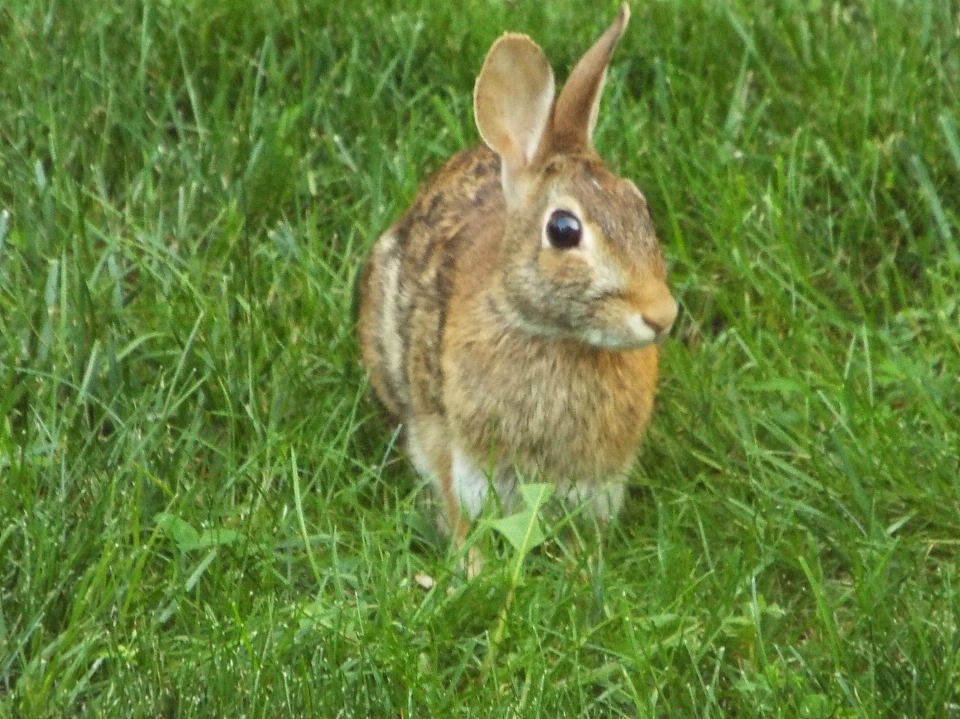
x=576, y=113
x=511, y=104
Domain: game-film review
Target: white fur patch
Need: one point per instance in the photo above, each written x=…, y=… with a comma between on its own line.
x=638, y=328
x=389, y=327
x=419, y=457
x=634, y=333
x=470, y=484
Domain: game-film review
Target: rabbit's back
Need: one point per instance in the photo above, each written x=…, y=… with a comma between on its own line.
x=408, y=280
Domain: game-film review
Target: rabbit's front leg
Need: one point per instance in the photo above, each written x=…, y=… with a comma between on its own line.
x=600, y=500
x=456, y=483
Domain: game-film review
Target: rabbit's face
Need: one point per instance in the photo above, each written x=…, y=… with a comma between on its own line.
x=582, y=259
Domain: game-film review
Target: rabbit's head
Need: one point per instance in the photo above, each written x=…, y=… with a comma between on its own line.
x=580, y=259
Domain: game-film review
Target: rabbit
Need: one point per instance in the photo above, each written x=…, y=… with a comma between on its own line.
x=510, y=320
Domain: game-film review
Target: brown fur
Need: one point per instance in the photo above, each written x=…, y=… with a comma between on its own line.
x=489, y=344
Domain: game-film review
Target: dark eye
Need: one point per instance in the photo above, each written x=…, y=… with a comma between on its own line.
x=563, y=230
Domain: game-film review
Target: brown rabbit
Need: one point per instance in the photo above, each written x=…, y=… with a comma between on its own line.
x=509, y=318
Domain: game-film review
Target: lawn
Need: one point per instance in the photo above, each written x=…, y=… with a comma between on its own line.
x=201, y=513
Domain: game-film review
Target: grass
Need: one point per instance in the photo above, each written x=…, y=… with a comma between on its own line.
x=200, y=513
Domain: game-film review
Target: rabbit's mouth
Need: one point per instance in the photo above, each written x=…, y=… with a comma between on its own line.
x=630, y=330
x=625, y=326
x=632, y=333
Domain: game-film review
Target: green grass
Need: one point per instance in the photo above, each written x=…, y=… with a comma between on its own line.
x=200, y=513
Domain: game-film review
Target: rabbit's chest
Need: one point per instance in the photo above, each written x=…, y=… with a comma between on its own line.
x=556, y=408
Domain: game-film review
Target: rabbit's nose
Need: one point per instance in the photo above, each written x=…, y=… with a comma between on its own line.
x=660, y=315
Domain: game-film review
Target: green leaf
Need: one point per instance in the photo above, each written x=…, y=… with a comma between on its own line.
x=188, y=539
x=536, y=495
x=522, y=529
x=216, y=538
x=179, y=530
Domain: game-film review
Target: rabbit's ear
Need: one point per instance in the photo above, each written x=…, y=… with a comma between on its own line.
x=511, y=104
x=576, y=112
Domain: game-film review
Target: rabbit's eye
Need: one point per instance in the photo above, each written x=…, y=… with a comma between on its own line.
x=563, y=230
